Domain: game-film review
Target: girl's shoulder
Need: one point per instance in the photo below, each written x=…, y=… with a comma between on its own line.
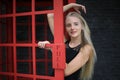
x=87, y=48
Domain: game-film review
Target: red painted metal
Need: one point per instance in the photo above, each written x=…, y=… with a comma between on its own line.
x=0, y=47
x=33, y=40
x=58, y=47
x=14, y=40
x=0, y=61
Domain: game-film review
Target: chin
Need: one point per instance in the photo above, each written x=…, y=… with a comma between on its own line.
x=73, y=36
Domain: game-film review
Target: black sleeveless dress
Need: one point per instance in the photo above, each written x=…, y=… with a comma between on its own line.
x=70, y=54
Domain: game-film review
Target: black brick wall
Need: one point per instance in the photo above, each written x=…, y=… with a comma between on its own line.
x=103, y=17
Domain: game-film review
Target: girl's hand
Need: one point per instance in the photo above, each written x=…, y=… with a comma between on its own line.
x=78, y=7
x=41, y=44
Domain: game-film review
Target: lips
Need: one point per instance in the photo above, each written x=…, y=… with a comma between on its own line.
x=73, y=32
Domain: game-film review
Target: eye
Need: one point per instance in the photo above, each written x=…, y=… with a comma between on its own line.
x=68, y=25
x=76, y=23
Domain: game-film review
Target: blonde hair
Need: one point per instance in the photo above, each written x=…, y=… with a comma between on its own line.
x=88, y=69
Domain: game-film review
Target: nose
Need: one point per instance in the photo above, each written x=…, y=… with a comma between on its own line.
x=72, y=26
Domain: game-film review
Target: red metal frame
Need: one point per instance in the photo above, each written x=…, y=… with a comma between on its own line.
x=58, y=47
x=0, y=48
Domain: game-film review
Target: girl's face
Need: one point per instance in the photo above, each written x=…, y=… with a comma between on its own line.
x=73, y=26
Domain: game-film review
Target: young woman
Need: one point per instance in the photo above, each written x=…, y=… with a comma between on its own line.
x=80, y=52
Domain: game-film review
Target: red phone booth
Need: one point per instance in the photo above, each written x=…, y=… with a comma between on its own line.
x=22, y=24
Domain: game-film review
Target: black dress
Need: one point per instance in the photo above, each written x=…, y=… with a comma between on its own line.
x=70, y=54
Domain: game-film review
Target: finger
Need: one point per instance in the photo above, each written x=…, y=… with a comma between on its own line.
x=43, y=45
x=39, y=44
x=78, y=11
x=84, y=9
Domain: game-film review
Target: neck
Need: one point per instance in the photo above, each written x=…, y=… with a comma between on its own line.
x=75, y=41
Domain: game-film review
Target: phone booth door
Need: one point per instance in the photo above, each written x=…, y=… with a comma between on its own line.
x=22, y=24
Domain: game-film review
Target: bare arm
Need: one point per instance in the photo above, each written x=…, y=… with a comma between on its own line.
x=74, y=65
x=50, y=16
x=78, y=61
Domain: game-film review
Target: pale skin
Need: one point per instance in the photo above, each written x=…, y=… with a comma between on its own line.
x=73, y=28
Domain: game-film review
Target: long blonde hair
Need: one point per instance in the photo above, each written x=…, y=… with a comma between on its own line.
x=88, y=69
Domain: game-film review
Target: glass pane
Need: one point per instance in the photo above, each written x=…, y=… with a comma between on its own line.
x=23, y=29
x=23, y=6
x=42, y=28
x=6, y=30
x=24, y=60
x=43, y=5
x=6, y=6
x=6, y=77
x=6, y=59
x=44, y=62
